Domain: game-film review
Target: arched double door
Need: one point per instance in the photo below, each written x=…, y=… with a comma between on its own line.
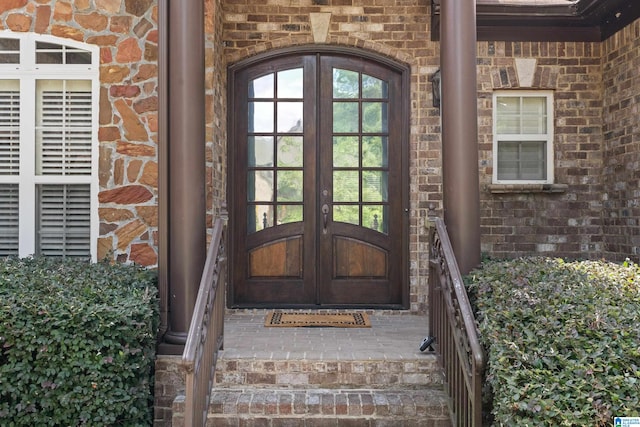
x=318, y=181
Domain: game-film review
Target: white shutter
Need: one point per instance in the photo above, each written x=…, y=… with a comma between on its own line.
x=64, y=220
x=64, y=127
x=9, y=127
x=9, y=219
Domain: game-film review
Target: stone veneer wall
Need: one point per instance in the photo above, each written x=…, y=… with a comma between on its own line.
x=126, y=32
x=622, y=144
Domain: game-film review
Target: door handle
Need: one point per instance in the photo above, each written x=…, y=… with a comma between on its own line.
x=325, y=216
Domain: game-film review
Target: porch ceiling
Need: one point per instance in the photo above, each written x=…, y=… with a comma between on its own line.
x=547, y=20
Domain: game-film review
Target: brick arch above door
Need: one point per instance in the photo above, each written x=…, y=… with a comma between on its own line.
x=365, y=48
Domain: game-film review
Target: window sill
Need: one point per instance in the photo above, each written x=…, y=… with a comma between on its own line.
x=526, y=188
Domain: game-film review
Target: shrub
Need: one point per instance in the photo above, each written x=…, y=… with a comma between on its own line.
x=562, y=340
x=77, y=343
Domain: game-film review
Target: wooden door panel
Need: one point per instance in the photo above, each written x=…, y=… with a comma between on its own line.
x=277, y=259
x=352, y=258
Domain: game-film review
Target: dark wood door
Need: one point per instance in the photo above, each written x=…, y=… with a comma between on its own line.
x=317, y=183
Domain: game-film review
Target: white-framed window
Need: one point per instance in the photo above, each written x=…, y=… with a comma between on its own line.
x=523, y=137
x=49, y=92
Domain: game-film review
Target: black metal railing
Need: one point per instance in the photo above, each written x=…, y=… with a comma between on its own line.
x=206, y=332
x=452, y=329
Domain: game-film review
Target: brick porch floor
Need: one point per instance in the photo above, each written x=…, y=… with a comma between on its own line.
x=391, y=337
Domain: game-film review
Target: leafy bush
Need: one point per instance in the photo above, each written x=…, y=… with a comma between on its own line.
x=77, y=343
x=562, y=340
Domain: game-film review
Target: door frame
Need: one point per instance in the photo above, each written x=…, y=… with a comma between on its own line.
x=232, y=126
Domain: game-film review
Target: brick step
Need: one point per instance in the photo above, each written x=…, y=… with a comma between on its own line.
x=403, y=374
x=326, y=407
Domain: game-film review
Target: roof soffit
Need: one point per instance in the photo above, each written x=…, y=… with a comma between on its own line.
x=547, y=20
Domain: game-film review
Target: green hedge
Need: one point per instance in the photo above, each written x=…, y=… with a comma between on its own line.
x=77, y=343
x=562, y=340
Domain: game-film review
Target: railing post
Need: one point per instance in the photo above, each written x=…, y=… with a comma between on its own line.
x=451, y=321
x=206, y=331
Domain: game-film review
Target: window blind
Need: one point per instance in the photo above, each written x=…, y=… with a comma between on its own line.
x=9, y=215
x=9, y=127
x=63, y=220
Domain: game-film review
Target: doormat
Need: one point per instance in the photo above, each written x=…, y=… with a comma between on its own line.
x=317, y=320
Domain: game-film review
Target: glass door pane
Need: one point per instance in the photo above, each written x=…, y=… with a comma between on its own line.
x=360, y=151
x=275, y=142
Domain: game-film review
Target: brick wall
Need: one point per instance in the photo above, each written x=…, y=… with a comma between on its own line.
x=126, y=32
x=216, y=110
x=622, y=144
x=525, y=221
x=566, y=223
x=169, y=383
x=398, y=29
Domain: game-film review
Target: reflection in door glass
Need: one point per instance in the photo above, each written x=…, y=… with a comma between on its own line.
x=290, y=83
x=274, y=120
x=373, y=88
x=346, y=186
x=290, y=186
x=261, y=117
x=374, y=186
x=360, y=161
x=345, y=151
x=375, y=218
x=374, y=118
x=290, y=151
x=346, y=213
x=345, y=117
x=345, y=83
x=374, y=152
x=260, y=151
x=290, y=117
x=259, y=217
x=289, y=213
x=261, y=87
x=260, y=186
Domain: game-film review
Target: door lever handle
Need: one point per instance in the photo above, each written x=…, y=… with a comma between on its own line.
x=325, y=216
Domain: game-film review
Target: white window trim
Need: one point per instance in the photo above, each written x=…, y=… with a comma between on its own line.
x=548, y=137
x=28, y=72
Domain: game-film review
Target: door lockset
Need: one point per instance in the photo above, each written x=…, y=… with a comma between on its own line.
x=325, y=217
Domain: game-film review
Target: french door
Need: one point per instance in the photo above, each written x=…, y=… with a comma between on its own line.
x=318, y=185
